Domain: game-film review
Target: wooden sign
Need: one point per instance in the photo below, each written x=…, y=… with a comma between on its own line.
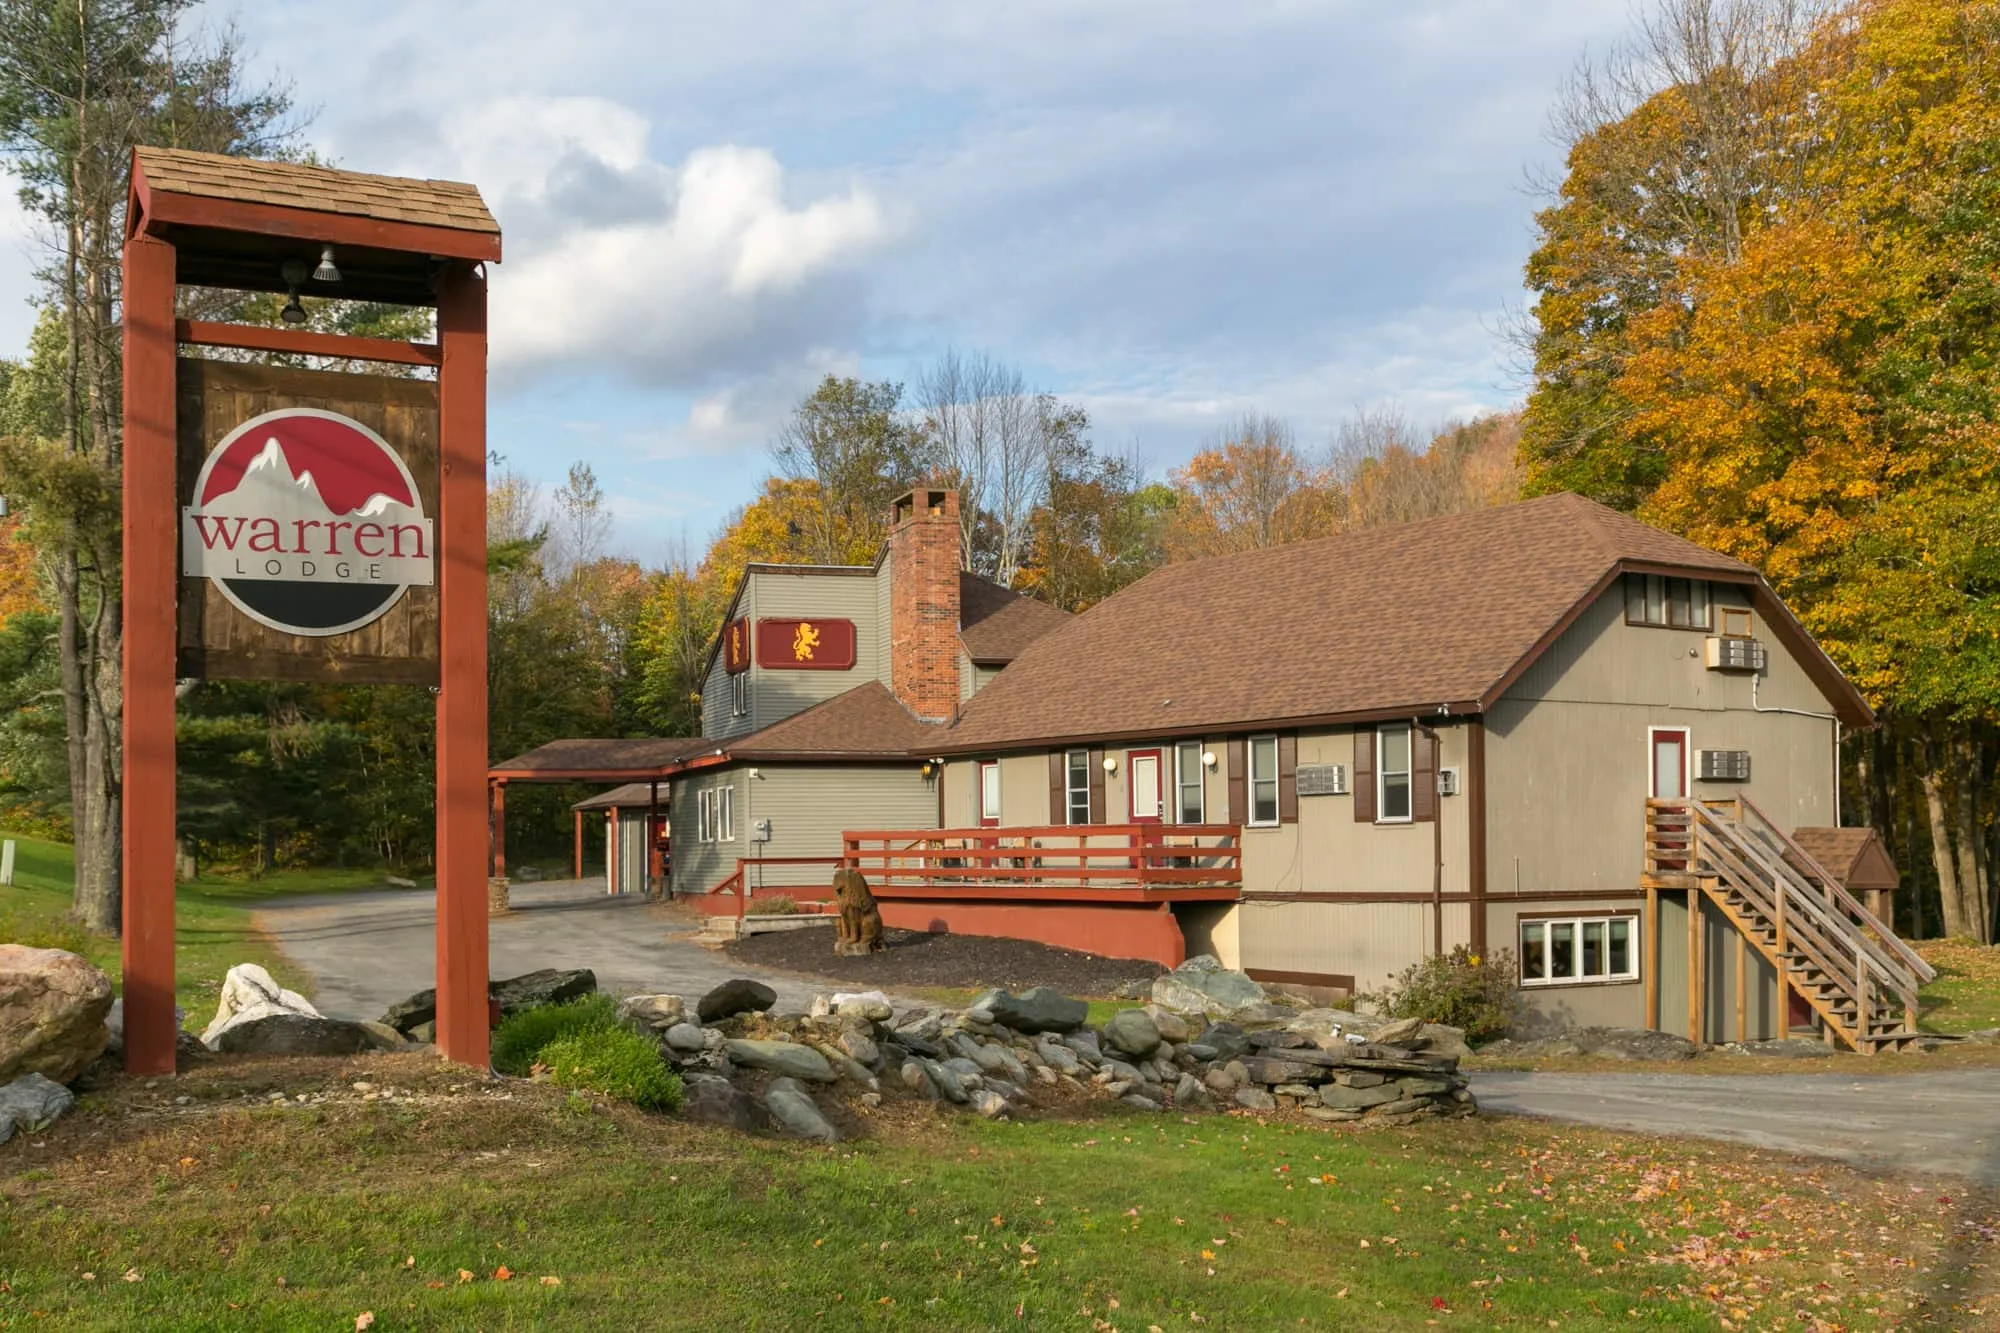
x=805, y=645
x=736, y=646
x=307, y=547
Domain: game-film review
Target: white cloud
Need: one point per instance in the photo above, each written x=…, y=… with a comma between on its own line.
x=673, y=274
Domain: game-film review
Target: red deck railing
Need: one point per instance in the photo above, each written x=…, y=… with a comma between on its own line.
x=1121, y=860
x=751, y=880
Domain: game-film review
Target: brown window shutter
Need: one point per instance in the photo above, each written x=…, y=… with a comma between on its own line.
x=1364, y=776
x=1097, y=786
x=1423, y=777
x=1288, y=779
x=1239, y=782
x=1058, y=787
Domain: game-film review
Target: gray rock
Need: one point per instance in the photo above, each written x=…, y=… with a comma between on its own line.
x=1633, y=1044
x=1040, y=1009
x=381, y=1036
x=1218, y=1081
x=1402, y=1107
x=32, y=1102
x=740, y=995
x=711, y=1100
x=1279, y=1039
x=1139, y=1101
x=1787, y=1048
x=917, y=1081
x=1059, y=1056
x=548, y=985
x=1261, y=1070
x=1133, y=990
x=947, y=1082
x=1203, y=986
x=281, y=1032
x=859, y=1046
x=1226, y=1039
x=1086, y=1045
x=655, y=1013
x=1301, y=1091
x=796, y=1112
x=1256, y=1099
x=1132, y=1031
x=1172, y=1026
x=1423, y=1087
x=1402, y=1032
x=989, y=1103
x=249, y=993
x=1359, y=1078
x=1186, y=1088
x=967, y=1071
x=1332, y=1113
x=687, y=1038
x=781, y=1057
x=1254, y=1016
x=1324, y=1027
x=1444, y=1039
x=1357, y=1099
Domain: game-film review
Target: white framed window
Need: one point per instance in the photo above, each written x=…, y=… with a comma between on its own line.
x=1568, y=951
x=1651, y=599
x=1076, y=788
x=989, y=793
x=1263, y=781
x=704, y=816
x=1189, y=806
x=1393, y=753
x=739, y=694
x=725, y=814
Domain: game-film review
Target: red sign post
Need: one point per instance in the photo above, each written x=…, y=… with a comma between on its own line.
x=342, y=573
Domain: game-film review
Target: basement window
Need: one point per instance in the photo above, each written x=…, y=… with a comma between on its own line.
x=1560, y=951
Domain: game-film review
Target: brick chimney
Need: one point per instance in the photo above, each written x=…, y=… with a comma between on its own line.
x=924, y=602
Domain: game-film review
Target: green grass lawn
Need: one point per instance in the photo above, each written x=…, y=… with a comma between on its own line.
x=212, y=920
x=455, y=1212
x=1966, y=994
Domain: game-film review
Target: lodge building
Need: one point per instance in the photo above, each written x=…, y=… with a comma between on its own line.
x=1546, y=728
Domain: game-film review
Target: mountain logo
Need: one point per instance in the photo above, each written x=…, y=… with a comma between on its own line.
x=308, y=522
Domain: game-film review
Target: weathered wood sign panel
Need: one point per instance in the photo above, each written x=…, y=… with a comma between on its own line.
x=805, y=645
x=307, y=546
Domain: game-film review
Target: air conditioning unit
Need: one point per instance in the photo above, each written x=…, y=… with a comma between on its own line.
x=1722, y=765
x=1447, y=782
x=1322, y=779
x=1735, y=654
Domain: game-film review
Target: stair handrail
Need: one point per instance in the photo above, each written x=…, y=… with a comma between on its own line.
x=1835, y=930
x=1890, y=940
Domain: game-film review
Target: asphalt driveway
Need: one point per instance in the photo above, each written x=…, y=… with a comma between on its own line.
x=1946, y=1122
x=368, y=950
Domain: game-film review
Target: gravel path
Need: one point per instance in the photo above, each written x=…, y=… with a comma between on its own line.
x=368, y=950
x=921, y=958
x=1946, y=1122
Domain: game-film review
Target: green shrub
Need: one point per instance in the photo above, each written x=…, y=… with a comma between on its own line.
x=616, y=1062
x=519, y=1039
x=1460, y=988
x=776, y=905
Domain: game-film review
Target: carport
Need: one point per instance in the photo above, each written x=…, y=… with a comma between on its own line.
x=640, y=767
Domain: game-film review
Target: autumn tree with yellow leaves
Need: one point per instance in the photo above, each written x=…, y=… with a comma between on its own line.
x=1768, y=317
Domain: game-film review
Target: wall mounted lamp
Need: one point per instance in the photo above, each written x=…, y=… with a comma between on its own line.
x=1110, y=764
x=1208, y=759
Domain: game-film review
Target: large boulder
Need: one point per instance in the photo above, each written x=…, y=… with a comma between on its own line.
x=1202, y=985
x=1040, y=1009
x=740, y=995
x=1133, y=1032
x=249, y=994
x=546, y=985
x=781, y=1057
x=710, y=1099
x=281, y=1032
x=52, y=1008
x=655, y=1013
x=31, y=1103
x=1327, y=1026
x=795, y=1111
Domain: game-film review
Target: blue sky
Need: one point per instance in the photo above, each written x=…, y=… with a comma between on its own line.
x=1171, y=213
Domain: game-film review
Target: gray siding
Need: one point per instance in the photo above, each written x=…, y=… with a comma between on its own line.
x=699, y=866
x=776, y=695
x=1370, y=942
x=717, y=723
x=1567, y=757
x=809, y=806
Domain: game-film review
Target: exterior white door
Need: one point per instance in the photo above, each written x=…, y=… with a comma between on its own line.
x=1142, y=771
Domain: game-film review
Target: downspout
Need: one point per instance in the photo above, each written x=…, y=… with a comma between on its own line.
x=1437, y=833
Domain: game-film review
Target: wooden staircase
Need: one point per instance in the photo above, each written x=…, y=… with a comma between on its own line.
x=1857, y=976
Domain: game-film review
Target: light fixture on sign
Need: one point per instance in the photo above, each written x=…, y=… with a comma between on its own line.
x=326, y=272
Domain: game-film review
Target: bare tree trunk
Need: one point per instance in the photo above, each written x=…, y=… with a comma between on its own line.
x=1966, y=848
x=1935, y=806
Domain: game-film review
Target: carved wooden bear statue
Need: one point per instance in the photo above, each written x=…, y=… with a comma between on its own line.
x=860, y=927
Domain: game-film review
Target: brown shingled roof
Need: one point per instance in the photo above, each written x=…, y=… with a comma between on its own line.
x=1445, y=611
x=608, y=757
x=1855, y=856
x=996, y=624
x=429, y=203
x=625, y=797
x=864, y=723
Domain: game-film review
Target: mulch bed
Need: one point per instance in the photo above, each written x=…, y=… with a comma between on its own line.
x=919, y=958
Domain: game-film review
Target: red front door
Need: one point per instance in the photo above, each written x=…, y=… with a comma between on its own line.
x=1145, y=786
